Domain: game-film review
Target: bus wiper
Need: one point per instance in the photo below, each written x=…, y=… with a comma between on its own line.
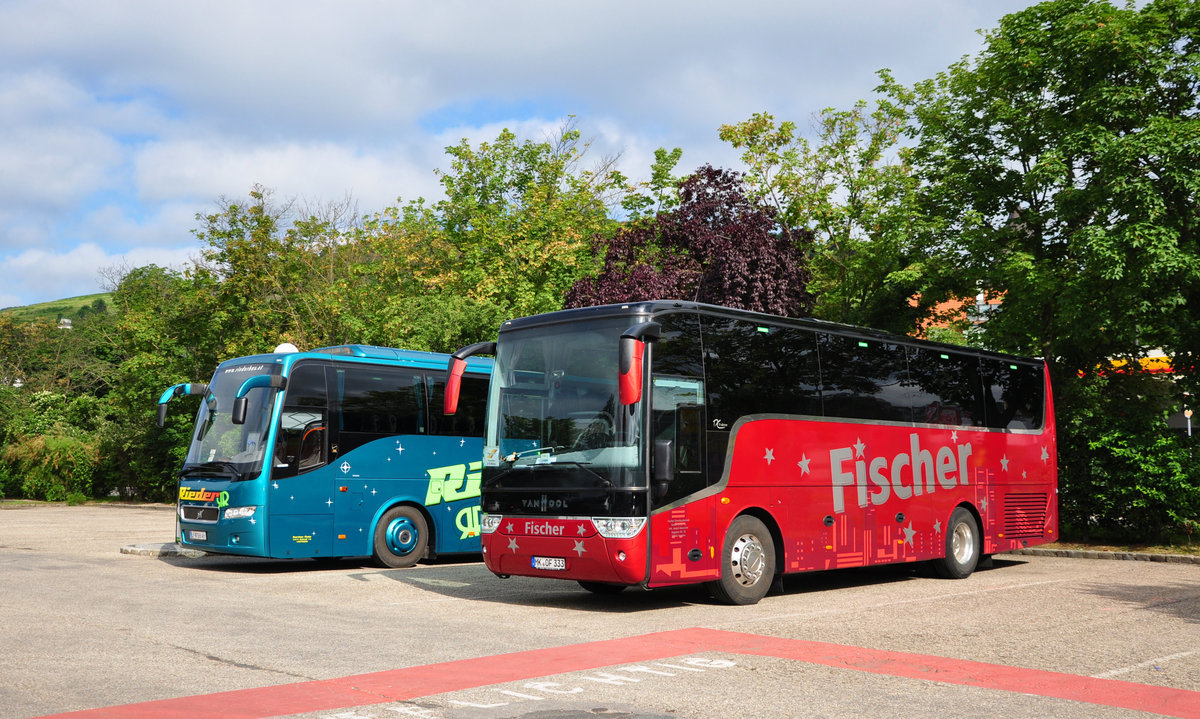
x=221, y=467
x=510, y=458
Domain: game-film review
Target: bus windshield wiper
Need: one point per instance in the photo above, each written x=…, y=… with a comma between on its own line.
x=510, y=458
x=221, y=468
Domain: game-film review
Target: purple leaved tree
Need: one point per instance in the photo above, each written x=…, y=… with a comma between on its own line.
x=717, y=247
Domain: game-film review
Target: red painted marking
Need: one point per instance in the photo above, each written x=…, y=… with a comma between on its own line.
x=398, y=685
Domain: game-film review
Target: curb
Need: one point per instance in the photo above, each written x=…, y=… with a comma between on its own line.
x=1093, y=554
x=170, y=549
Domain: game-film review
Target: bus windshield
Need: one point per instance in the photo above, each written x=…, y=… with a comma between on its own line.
x=554, y=406
x=221, y=448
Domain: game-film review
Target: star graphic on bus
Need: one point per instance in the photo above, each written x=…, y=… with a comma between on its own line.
x=909, y=533
x=1004, y=462
x=937, y=527
x=1045, y=454
x=769, y=456
x=954, y=436
x=859, y=447
x=512, y=543
x=579, y=547
x=803, y=464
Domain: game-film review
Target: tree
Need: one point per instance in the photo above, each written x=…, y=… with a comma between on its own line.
x=718, y=246
x=517, y=218
x=856, y=194
x=1063, y=167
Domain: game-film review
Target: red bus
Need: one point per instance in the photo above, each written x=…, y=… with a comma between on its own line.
x=666, y=443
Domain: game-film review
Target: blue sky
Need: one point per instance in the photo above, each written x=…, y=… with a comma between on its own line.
x=119, y=121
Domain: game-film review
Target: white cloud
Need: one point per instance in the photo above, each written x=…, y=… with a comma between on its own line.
x=124, y=118
x=48, y=275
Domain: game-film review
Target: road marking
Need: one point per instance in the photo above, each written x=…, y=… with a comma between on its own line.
x=1142, y=665
x=398, y=685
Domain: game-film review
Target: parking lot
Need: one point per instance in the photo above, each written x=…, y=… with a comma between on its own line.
x=90, y=629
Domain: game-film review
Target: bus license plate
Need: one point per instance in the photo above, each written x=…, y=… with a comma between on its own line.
x=197, y=535
x=556, y=563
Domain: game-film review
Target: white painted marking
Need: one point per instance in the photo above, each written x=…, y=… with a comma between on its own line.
x=1142, y=665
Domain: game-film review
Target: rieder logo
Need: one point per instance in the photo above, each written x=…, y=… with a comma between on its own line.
x=203, y=495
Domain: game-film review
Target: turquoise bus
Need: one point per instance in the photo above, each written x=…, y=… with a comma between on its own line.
x=337, y=452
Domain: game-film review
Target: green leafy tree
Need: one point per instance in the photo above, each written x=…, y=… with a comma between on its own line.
x=518, y=217
x=1063, y=166
x=856, y=195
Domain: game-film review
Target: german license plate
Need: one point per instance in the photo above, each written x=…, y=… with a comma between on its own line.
x=197, y=535
x=555, y=563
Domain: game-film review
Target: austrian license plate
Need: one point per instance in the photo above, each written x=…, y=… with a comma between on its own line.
x=197, y=535
x=556, y=563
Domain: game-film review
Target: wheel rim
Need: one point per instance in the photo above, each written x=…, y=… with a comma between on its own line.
x=401, y=535
x=747, y=560
x=962, y=543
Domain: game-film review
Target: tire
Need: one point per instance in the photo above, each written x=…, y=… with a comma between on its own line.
x=963, y=546
x=602, y=587
x=401, y=538
x=747, y=563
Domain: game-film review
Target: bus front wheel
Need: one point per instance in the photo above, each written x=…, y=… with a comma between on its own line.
x=962, y=546
x=401, y=538
x=747, y=563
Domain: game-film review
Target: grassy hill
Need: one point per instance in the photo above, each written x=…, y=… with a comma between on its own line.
x=55, y=309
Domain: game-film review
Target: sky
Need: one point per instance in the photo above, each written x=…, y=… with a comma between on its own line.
x=120, y=121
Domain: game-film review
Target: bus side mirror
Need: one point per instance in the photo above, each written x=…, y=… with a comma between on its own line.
x=177, y=391
x=664, y=466
x=240, y=404
x=454, y=373
x=238, y=415
x=630, y=368
x=629, y=363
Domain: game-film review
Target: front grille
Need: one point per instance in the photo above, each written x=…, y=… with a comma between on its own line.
x=1024, y=514
x=196, y=513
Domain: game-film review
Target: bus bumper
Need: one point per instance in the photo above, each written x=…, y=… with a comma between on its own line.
x=564, y=549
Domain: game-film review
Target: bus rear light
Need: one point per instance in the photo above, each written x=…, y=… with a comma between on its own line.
x=489, y=523
x=618, y=527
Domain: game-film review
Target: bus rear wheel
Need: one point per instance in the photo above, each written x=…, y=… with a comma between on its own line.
x=400, y=538
x=962, y=546
x=747, y=563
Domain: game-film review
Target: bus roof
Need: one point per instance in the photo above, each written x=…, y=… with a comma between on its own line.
x=389, y=355
x=649, y=309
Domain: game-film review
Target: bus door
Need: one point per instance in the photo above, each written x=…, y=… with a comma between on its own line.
x=378, y=437
x=301, y=500
x=683, y=515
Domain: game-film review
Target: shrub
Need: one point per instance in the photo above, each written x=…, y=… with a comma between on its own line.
x=1123, y=475
x=52, y=466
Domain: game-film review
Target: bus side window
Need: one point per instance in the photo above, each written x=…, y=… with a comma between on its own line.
x=946, y=387
x=472, y=403
x=864, y=379
x=302, y=439
x=376, y=403
x=1015, y=395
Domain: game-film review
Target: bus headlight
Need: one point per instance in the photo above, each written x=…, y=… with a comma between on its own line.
x=618, y=527
x=239, y=512
x=488, y=523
